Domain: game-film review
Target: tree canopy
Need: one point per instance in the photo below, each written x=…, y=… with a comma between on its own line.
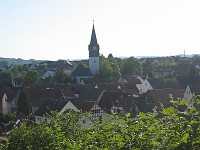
x=31, y=77
x=23, y=104
x=108, y=68
x=132, y=66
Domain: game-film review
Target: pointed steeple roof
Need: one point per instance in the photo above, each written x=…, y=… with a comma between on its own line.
x=93, y=41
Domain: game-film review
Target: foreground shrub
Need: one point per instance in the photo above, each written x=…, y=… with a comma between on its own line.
x=169, y=128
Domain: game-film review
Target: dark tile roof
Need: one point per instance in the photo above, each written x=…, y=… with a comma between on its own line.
x=130, y=89
x=75, y=89
x=91, y=94
x=163, y=96
x=179, y=90
x=185, y=80
x=51, y=105
x=195, y=88
x=11, y=94
x=143, y=106
x=39, y=102
x=34, y=94
x=108, y=86
x=60, y=64
x=109, y=97
x=83, y=105
x=80, y=70
x=156, y=83
x=115, y=80
x=132, y=79
x=125, y=103
x=91, y=81
x=1, y=94
x=48, y=85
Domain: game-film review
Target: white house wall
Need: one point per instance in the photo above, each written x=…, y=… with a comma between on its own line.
x=68, y=106
x=187, y=95
x=4, y=105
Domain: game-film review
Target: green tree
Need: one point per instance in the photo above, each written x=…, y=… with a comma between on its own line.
x=110, y=56
x=6, y=78
x=41, y=67
x=23, y=104
x=31, y=77
x=147, y=69
x=108, y=68
x=132, y=66
x=192, y=70
x=61, y=77
x=14, y=71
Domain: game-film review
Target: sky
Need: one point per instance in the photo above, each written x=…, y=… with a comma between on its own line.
x=61, y=29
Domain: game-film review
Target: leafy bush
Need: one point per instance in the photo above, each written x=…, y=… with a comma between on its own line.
x=169, y=128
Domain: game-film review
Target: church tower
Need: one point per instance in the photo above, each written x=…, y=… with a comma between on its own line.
x=93, y=48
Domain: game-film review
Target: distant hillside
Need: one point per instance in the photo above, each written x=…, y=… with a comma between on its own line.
x=19, y=61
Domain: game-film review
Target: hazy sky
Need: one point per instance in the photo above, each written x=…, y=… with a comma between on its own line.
x=61, y=29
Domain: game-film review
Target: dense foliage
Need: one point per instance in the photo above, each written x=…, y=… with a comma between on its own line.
x=108, y=68
x=132, y=66
x=31, y=77
x=168, y=128
x=23, y=105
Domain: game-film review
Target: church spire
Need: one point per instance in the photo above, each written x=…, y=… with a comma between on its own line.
x=93, y=48
x=93, y=41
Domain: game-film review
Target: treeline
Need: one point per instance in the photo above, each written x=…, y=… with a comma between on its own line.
x=111, y=67
x=168, y=128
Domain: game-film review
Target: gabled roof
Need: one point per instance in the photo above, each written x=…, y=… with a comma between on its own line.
x=48, y=85
x=80, y=70
x=163, y=96
x=156, y=83
x=125, y=103
x=179, y=90
x=51, y=105
x=34, y=94
x=108, y=86
x=91, y=94
x=11, y=94
x=132, y=80
x=83, y=105
x=108, y=97
x=60, y=64
x=75, y=89
x=144, y=106
x=195, y=88
x=91, y=81
x=1, y=94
